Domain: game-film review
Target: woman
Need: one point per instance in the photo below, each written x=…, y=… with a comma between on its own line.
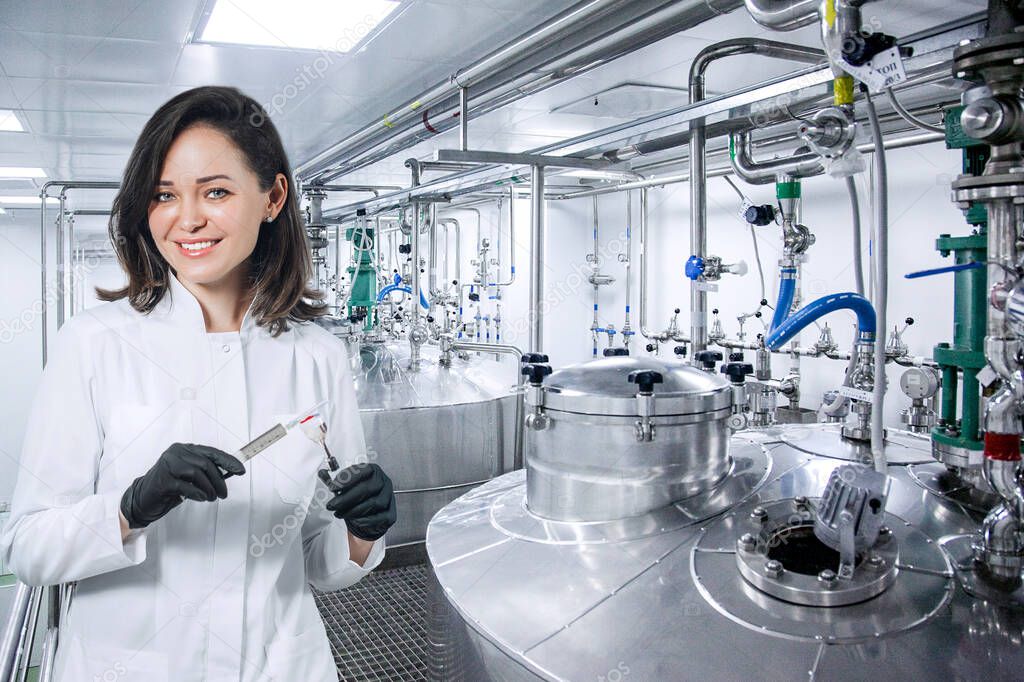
x=190, y=564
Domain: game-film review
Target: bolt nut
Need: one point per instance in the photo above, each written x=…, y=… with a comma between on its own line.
x=747, y=542
x=773, y=568
x=759, y=514
x=800, y=501
x=876, y=562
x=884, y=534
x=828, y=578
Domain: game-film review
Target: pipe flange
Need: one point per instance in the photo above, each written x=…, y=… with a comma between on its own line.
x=789, y=562
x=968, y=188
x=978, y=56
x=971, y=575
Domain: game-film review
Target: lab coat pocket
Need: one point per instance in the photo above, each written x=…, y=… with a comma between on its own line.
x=134, y=439
x=300, y=657
x=78, y=660
x=294, y=460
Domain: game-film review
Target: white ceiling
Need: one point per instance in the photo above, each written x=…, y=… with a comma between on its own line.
x=85, y=76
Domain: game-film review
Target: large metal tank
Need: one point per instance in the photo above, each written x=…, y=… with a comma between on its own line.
x=437, y=431
x=668, y=595
x=590, y=456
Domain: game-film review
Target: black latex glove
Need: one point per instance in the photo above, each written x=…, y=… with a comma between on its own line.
x=365, y=499
x=185, y=470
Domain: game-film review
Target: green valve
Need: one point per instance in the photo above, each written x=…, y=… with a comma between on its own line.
x=788, y=190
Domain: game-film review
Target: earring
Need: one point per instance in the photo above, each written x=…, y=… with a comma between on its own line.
x=269, y=218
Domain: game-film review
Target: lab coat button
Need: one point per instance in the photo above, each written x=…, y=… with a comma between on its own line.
x=226, y=348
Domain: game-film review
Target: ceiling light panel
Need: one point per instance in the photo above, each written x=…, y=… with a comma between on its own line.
x=298, y=24
x=9, y=123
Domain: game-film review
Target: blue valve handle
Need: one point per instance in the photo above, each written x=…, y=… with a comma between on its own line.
x=694, y=267
x=940, y=271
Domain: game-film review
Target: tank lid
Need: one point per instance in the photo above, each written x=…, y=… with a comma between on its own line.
x=603, y=387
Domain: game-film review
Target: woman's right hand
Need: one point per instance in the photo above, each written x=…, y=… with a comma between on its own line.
x=184, y=470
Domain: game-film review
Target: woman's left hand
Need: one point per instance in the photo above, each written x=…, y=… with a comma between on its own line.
x=365, y=500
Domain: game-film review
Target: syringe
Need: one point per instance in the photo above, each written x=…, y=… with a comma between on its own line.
x=279, y=431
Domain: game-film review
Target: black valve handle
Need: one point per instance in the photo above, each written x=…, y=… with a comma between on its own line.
x=645, y=380
x=536, y=373
x=533, y=358
x=615, y=352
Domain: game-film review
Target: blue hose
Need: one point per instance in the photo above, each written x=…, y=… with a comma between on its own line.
x=821, y=307
x=386, y=291
x=787, y=289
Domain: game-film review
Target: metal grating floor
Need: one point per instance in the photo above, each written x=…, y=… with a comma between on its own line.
x=377, y=627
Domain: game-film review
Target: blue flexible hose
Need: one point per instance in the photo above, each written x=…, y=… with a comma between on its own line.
x=819, y=308
x=787, y=289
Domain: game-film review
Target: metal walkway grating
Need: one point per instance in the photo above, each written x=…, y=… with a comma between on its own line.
x=377, y=627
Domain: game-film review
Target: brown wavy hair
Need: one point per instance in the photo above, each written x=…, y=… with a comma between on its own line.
x=280, y=265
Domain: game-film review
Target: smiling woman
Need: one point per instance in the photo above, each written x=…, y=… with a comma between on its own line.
x=136, y=497
x=207, y=196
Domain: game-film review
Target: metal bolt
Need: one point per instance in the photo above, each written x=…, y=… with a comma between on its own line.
x=759, y=514
x=773, y=568
x=828, y=577
x=800, y=501
x=884, y=534
x=876, y=562
x=747, y=542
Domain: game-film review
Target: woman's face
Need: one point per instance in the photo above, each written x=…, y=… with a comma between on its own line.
x=207, y=208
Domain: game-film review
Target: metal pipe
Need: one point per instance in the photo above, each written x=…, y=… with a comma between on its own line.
x=464, y=118
x=16, y=624
x=414, y=237
x=29, y=639
x=511, y=238
x=858, y=260
x=44, y=194
x=659, y=181
x=802, y=165
x=626, y=329
x=909, y=117
x=458, y=249
x=783, y=15
x=698, y=188
x=375, y=189
x=881, y=274
x=537, y=235
x=644, y=332
x=574, y=42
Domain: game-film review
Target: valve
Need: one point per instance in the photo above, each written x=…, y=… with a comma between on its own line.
x=708, y=358
x=645, y=380
x=736, y=357
x=533, y=358
x=536, y=373
x=615, y=352
x=474, y=297
x=760, y=215
x=680, y=351
x=651, y=347
x=405, y=248
x=860, y=48
x=694, y=268
x=737, y=371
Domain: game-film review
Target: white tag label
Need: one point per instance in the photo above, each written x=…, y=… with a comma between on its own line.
x=986, y=375
x=856, y=394
x=883, y=71
x=742, y=213
x=705, y=286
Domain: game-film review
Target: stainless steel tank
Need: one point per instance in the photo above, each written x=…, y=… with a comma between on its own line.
x=728, y=585
x=601, y=446
x=437, y=431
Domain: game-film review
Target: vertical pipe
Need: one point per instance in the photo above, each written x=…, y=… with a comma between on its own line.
x=698, y=223
x=537, y=260
x=43, y=195
x=949, y=381
x=511, y=237
x=595, y=325
x=643, y=263
x=463, y=118
x=16, y=623
x=626, y=329
x=881, y=275
x=61, y=279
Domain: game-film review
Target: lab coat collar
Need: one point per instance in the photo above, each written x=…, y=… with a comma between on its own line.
x=182, y=308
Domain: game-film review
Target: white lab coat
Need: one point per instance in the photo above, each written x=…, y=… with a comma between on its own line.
x=213, y=591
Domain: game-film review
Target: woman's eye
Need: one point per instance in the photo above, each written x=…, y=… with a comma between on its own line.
x=217, y=193
x=161, y=197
